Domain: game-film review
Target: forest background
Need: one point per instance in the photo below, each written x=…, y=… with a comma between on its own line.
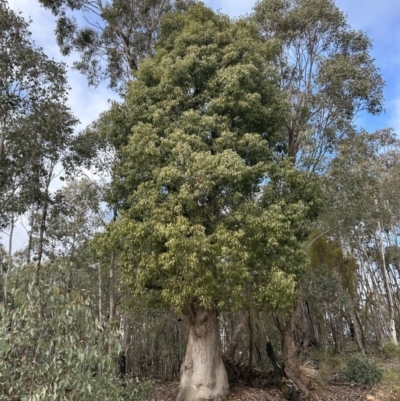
x=377, y=20
x=87, y=311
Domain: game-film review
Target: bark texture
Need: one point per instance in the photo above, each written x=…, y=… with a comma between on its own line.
x=203, y=374
x=290, y=349
x=392, y=325
x=237, y=335
x=358, y=331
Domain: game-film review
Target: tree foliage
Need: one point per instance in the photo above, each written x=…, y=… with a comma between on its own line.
x=52, y=346
x=326, y=71
x=36, y=125
x=115, y=36
x=202, y=220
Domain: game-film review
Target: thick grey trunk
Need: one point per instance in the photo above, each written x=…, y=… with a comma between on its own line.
x=203, y=374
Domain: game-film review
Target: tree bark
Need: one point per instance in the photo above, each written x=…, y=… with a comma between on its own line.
x=111, y=279
x=251, y=347
x=41, y=233
x=100, y=300
x=358, y=331
x=392, y=325
x=31, y=222
x=10, y=260
x=290, y=348
x=237, y=334
x=203, y=374
x=111, y=288
x=287, y=388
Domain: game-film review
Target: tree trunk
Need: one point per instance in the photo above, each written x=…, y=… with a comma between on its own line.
x=111, y=288
x=290, y=349
x=31, y=222
x=287, y=388
x=10, y=260
x=203, y=374
x=100, y=300
x=251, y=347
x=42, y=229
x=358, y=332
x=111, y=279
x=392, y=326
x=236, y=336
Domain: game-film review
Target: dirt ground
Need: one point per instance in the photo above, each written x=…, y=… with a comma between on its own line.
x=332, y=392
x=263, y=388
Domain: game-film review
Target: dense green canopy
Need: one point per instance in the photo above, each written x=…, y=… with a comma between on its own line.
x=210, y=212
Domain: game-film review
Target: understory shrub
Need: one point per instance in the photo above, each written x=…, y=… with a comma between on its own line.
x=390, y=350
x=52, y=347
x=361, y=371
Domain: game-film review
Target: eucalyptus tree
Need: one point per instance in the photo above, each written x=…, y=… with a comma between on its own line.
x=328, y=76
x=211, y=217
x=362, y=183
x=326, y=71
x=36, y=124
x=32, y=88
x=51, y=345
x=74, y=217
x=114, y=37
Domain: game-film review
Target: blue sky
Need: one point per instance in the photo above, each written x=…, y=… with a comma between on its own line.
x=379, y=19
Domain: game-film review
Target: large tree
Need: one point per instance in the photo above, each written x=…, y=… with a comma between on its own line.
x=329, y=77
x=211, y=216
x=34, y=119
x=326, y=71
x=112, y=37
x=36, y=125
x=363, y=207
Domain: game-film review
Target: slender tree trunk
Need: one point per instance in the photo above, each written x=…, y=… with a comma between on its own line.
x=111, y=279
x=111, y=287
x=42, y=229
x=236, y=336
x=43, y=219
x=31, y=221
x=123, y=357
x=3, y=136
x=203, y=374
x=100, y=294
x=6, y=274
x=71, y=264
x=358, y=332
x=375, y=306
x=290, y=349
x=126, y=344
x=392, y=326
x=287, y=388
x=251, y=347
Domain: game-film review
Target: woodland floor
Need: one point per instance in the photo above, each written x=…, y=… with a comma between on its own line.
x=264, y=389
x=241, y=392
